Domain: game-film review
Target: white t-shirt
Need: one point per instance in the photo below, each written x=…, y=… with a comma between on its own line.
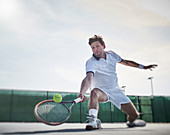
x=105, y=77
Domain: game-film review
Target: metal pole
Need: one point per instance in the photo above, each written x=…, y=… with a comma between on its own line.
x=150, y=78
x=123, y=89
x=153, y=118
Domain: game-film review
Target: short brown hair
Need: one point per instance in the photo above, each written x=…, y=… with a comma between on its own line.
x=96, y=38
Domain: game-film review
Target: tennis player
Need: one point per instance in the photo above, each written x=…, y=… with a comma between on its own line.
x=101, y=75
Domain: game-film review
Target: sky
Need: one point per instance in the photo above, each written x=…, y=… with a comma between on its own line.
x=44, y=43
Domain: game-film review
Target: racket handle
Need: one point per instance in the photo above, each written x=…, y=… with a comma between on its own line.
x=77, y=100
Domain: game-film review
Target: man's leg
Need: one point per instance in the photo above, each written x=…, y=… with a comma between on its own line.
x=96, y=96
x=132, y=114
x=130, y=110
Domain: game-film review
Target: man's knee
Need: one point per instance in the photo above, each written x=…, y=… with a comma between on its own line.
x=94, y=93
x=99, y=95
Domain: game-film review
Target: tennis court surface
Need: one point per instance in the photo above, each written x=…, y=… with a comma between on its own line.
x=79, y=129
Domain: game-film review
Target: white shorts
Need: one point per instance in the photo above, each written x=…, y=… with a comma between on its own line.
x=117, y=97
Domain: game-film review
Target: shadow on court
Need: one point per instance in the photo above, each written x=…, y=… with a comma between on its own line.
x=66, y=131
x=46, y=131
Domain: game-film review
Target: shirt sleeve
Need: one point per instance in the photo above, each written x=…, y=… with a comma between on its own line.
x=90, y=67
x=116, y=56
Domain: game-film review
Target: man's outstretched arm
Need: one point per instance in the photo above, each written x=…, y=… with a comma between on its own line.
x=134, y=64
x=85, y=84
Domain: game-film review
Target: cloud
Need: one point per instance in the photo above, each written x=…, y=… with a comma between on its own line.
x=127, y=13
x=159, y=7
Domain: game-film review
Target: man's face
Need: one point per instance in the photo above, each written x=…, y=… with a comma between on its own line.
x=97, y=48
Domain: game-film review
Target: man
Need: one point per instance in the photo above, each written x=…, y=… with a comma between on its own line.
x=101, y=73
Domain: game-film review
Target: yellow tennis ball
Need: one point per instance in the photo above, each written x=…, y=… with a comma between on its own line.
x=57, y=98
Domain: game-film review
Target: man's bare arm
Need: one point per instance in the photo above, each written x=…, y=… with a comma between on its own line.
x=134, y=64
x=85, y=84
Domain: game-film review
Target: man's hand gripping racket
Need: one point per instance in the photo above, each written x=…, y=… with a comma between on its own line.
x=52, y=113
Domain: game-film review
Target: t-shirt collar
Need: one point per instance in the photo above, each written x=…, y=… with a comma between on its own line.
x=97, y=58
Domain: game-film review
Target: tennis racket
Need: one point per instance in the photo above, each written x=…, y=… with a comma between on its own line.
x=52, y=113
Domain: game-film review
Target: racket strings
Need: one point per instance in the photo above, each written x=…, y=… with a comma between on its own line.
x=52, y=112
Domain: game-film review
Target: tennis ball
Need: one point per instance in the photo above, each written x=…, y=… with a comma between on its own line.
x=57, y=98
